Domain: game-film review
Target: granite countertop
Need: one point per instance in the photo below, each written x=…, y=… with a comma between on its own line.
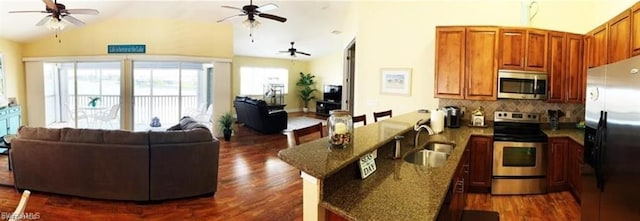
x=318, y=160
x=399, y=190
x=576, y=135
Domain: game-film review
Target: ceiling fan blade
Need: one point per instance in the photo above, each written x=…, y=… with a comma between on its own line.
x=221, y=20
x=82, y=11
x=267, y=7
x=50, y=4
x=72, y=20
x=44, y=20
x=236, y=8
x=274, y=17
x=283, y=52
x=304, y=53
x=27, y=11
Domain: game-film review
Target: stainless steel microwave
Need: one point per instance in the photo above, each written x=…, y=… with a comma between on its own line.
x=522, y=85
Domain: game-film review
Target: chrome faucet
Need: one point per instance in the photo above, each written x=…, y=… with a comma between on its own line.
x=418, y=127
x=396, y=152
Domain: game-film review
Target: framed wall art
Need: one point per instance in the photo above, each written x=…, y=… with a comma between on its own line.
x=395, y=81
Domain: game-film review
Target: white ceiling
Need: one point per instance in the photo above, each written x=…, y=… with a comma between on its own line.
x=309, y=22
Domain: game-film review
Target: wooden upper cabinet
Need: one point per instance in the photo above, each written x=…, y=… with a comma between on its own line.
x=557, y=55
x=589, y=58
x=481, y=65
x=536, y=51
x=523, y=49
x=512, y=48
x=574, y=75
x=635, y=29
x=619, y=36
x=599, y=46
x=450, y=62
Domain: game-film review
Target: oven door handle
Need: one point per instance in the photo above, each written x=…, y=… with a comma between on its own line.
x=535, y=86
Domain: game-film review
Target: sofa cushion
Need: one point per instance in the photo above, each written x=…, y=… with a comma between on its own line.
x=125, y=137
x=39, y=133
x=81, y=135
x=262, y=107
x=179, y=136
x=98, y=136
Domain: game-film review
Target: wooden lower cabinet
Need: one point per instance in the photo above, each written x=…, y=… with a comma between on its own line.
x=481, y=163
x=557, y=164
x=576, y=159
x=453, y=205
x=330, y=216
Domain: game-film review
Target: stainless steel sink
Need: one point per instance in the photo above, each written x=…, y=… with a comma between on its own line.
x=435, y=154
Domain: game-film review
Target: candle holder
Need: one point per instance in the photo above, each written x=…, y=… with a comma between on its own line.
x=340, y=125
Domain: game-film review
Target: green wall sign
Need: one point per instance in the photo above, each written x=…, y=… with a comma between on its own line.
x=126, y=49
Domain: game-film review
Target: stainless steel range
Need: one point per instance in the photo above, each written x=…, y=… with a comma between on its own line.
x=519, y=154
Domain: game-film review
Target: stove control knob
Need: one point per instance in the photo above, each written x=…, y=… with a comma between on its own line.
x=534, y=116
x=529, y=116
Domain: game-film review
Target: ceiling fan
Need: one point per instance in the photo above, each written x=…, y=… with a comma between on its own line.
x=292, y=51
x=58, y=12
x=252, y=10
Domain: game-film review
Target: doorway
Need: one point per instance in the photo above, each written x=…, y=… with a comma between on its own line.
x=349, y=76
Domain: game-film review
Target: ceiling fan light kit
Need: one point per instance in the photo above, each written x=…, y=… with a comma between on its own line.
x=58, y=12
x=55, y=25
x=251, y=11
x=251, y=24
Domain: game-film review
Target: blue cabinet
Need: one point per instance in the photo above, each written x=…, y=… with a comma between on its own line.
x=10, y=120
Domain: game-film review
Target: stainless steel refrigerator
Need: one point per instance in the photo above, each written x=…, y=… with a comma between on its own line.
x=611, y=168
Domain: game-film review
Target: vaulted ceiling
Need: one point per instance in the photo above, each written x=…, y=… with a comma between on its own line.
x=310, y=22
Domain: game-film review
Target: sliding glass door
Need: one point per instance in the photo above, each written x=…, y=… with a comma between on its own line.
x=83, y=94
x=168, y=91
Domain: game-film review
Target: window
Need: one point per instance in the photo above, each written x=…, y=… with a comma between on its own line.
x=169, y=90
x=252, y=79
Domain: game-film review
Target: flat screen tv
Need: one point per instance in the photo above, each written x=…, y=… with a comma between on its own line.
x=333, y=93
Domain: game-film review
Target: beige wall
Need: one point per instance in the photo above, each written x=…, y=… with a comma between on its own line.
x=607, y=9
x=328, y=69
x=162, y=37
x=294, y=66
x=13, y=69
x=389, y=39
x=566, y=15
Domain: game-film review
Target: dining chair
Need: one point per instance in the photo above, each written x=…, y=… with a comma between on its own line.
x=360, y=118
x=18, y=213
x=298, y=133
x=377, y=115
x=108, y=116
x=80, y=115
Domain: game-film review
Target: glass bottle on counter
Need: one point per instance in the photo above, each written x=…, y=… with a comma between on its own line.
x=340, y=125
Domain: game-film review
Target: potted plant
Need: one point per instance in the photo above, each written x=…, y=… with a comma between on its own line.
x=93, y=101
x=306, y=83
x=224, y=124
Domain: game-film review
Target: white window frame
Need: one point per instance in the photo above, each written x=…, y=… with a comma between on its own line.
x=259, y=76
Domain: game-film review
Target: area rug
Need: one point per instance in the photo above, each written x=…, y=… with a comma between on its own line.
x=300, y=122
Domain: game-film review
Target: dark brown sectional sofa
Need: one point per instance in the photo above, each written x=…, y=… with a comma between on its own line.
x=116, y=164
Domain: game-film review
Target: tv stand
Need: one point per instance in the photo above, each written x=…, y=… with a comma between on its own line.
x=324, y=107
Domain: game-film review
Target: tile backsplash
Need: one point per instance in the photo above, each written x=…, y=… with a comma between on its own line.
x=575, y=111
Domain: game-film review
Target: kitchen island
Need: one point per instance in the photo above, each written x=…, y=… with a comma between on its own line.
x=398, y=190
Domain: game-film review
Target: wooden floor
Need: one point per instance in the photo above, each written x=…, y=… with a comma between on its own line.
x=254, y=185
x=551, y=207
